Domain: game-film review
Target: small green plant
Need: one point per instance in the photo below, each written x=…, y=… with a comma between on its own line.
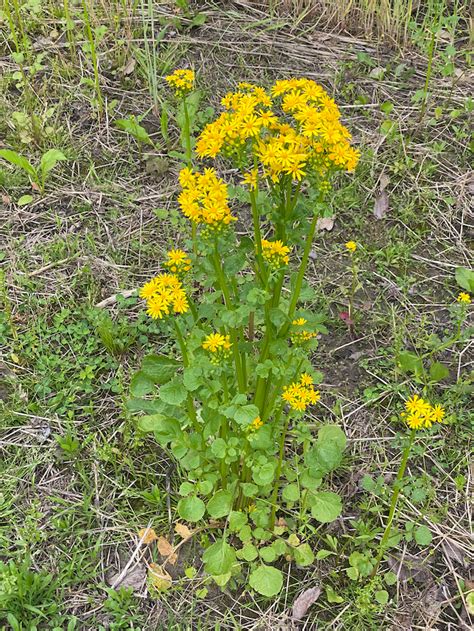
x=132, y=126
x=94, y=37
x=38, y=175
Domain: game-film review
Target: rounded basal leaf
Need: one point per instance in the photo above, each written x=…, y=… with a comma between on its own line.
x=192, y=508
x=219, y=558
x=141, y=384
x=173, y=392
x=333, y=433
x=237, y=520
x=423, y=536
x=291, y=493
x=266, y=580
x=327, y=507
x=248, y=552
x=264, y=475
x=303, y=555
x=159, y=368
x=220, y=504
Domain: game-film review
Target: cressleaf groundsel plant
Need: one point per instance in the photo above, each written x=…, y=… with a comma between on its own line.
x=231, y=410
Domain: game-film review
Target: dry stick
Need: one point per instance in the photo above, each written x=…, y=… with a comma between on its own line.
x=123, y=573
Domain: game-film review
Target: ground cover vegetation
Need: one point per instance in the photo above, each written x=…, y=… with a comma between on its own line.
x=236, y=281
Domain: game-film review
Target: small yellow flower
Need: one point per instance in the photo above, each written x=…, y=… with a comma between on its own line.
x=163, y=292
x=420, y=414
x=351, y=246
x=464, y=298
x=218, y=345
x=178, y=261
x=275, y=253
x=251, y=179
x=299, y=322
x=182, y=81
x=300, y=394
x=255, y=424
x=437, y=413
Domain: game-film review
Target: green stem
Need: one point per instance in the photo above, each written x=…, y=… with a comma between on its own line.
x=274, y=497
x=187, y=135
x=393, y=504
x=184, y=353
x=95, y=64
x=228, y=302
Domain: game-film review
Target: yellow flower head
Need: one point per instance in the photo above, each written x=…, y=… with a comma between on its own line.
x=218, y=345
x=351, y=246
x=464, y=298
x=419, y=414
x=255, y=424
x=299, y=322
x=178, y=262
x=204, y=199
x=164, y=294
x=300, y=394
x=275, y=253
x=251, y=179
x=182, y=81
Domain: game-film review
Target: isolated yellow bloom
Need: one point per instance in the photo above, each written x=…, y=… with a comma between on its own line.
x=218, y=345
x=255, y=424
x=178, y=262
x=464, y=298
x=182, y=81
x=351, y=246
x=300, y=394
x=275, y=253
x=300, y=322
x=420, y=414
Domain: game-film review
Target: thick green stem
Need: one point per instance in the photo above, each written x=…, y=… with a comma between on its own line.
x=187, y=135
x=393, y=504
x=232, y=332
x=274, y=497
x=184, y=353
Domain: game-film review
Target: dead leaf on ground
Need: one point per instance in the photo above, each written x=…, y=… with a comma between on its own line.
x=325, y=223
x=454, y=552
x=409, y=567
x=129, y=66
x=134, y=578
x=304, y=602
x=384, y=181
x=167, y=550
x=147, y=535
x=381, y=205
x=183, y=531
x=158, y=577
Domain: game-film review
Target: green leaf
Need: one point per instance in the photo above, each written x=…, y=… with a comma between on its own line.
x=331, y=595
x=192, y=378
x=220, y=504
x=192, y=508
x=132, y=127
x=49, y=160
x=328, y=506
x=266, y=580
x=219, y=558
x=24, y=200
x=237, y=520
x=332, y=433
x=303, y=555
x=218, y=448
x=409, y=362
x=268, y=554
x=464, y=277
x=323, y=554
x=165, y=429
x=381, y=596
x=173, y=392
x=141, y=384
x=249, y=489
x=291, y=493
x=264, y=474
x=159, y=368
x=245, y=414
x=15, y=158
x=248, y=553
x=438, y=371
x=423, y=536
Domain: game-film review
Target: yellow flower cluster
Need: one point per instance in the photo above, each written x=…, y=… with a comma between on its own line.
x=300, y=335
x=257, y=423
x=351, y=246
x=182, y=81
x=218, y=345
x=464, y=298
x=164, y=293
x=305, y=134
x=300, y=394
x=420, y=414
x=275, y=253
x=178, y=262
x=203, y=199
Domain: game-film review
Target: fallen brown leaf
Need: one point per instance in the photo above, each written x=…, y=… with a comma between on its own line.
x=384, y=181
x=381, y=205
x=325, y=223
x=147, y=535
x=158, y=577
x=183, y=531
x=134, y=578
x=129, y=66
x=167, y=550
x=304, y=602
x=408, y=567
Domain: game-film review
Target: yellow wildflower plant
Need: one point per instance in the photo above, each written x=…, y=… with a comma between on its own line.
x=218, y=345
x=182, y=81
x=351, y=246
x=300, y=394
x=299, y=335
